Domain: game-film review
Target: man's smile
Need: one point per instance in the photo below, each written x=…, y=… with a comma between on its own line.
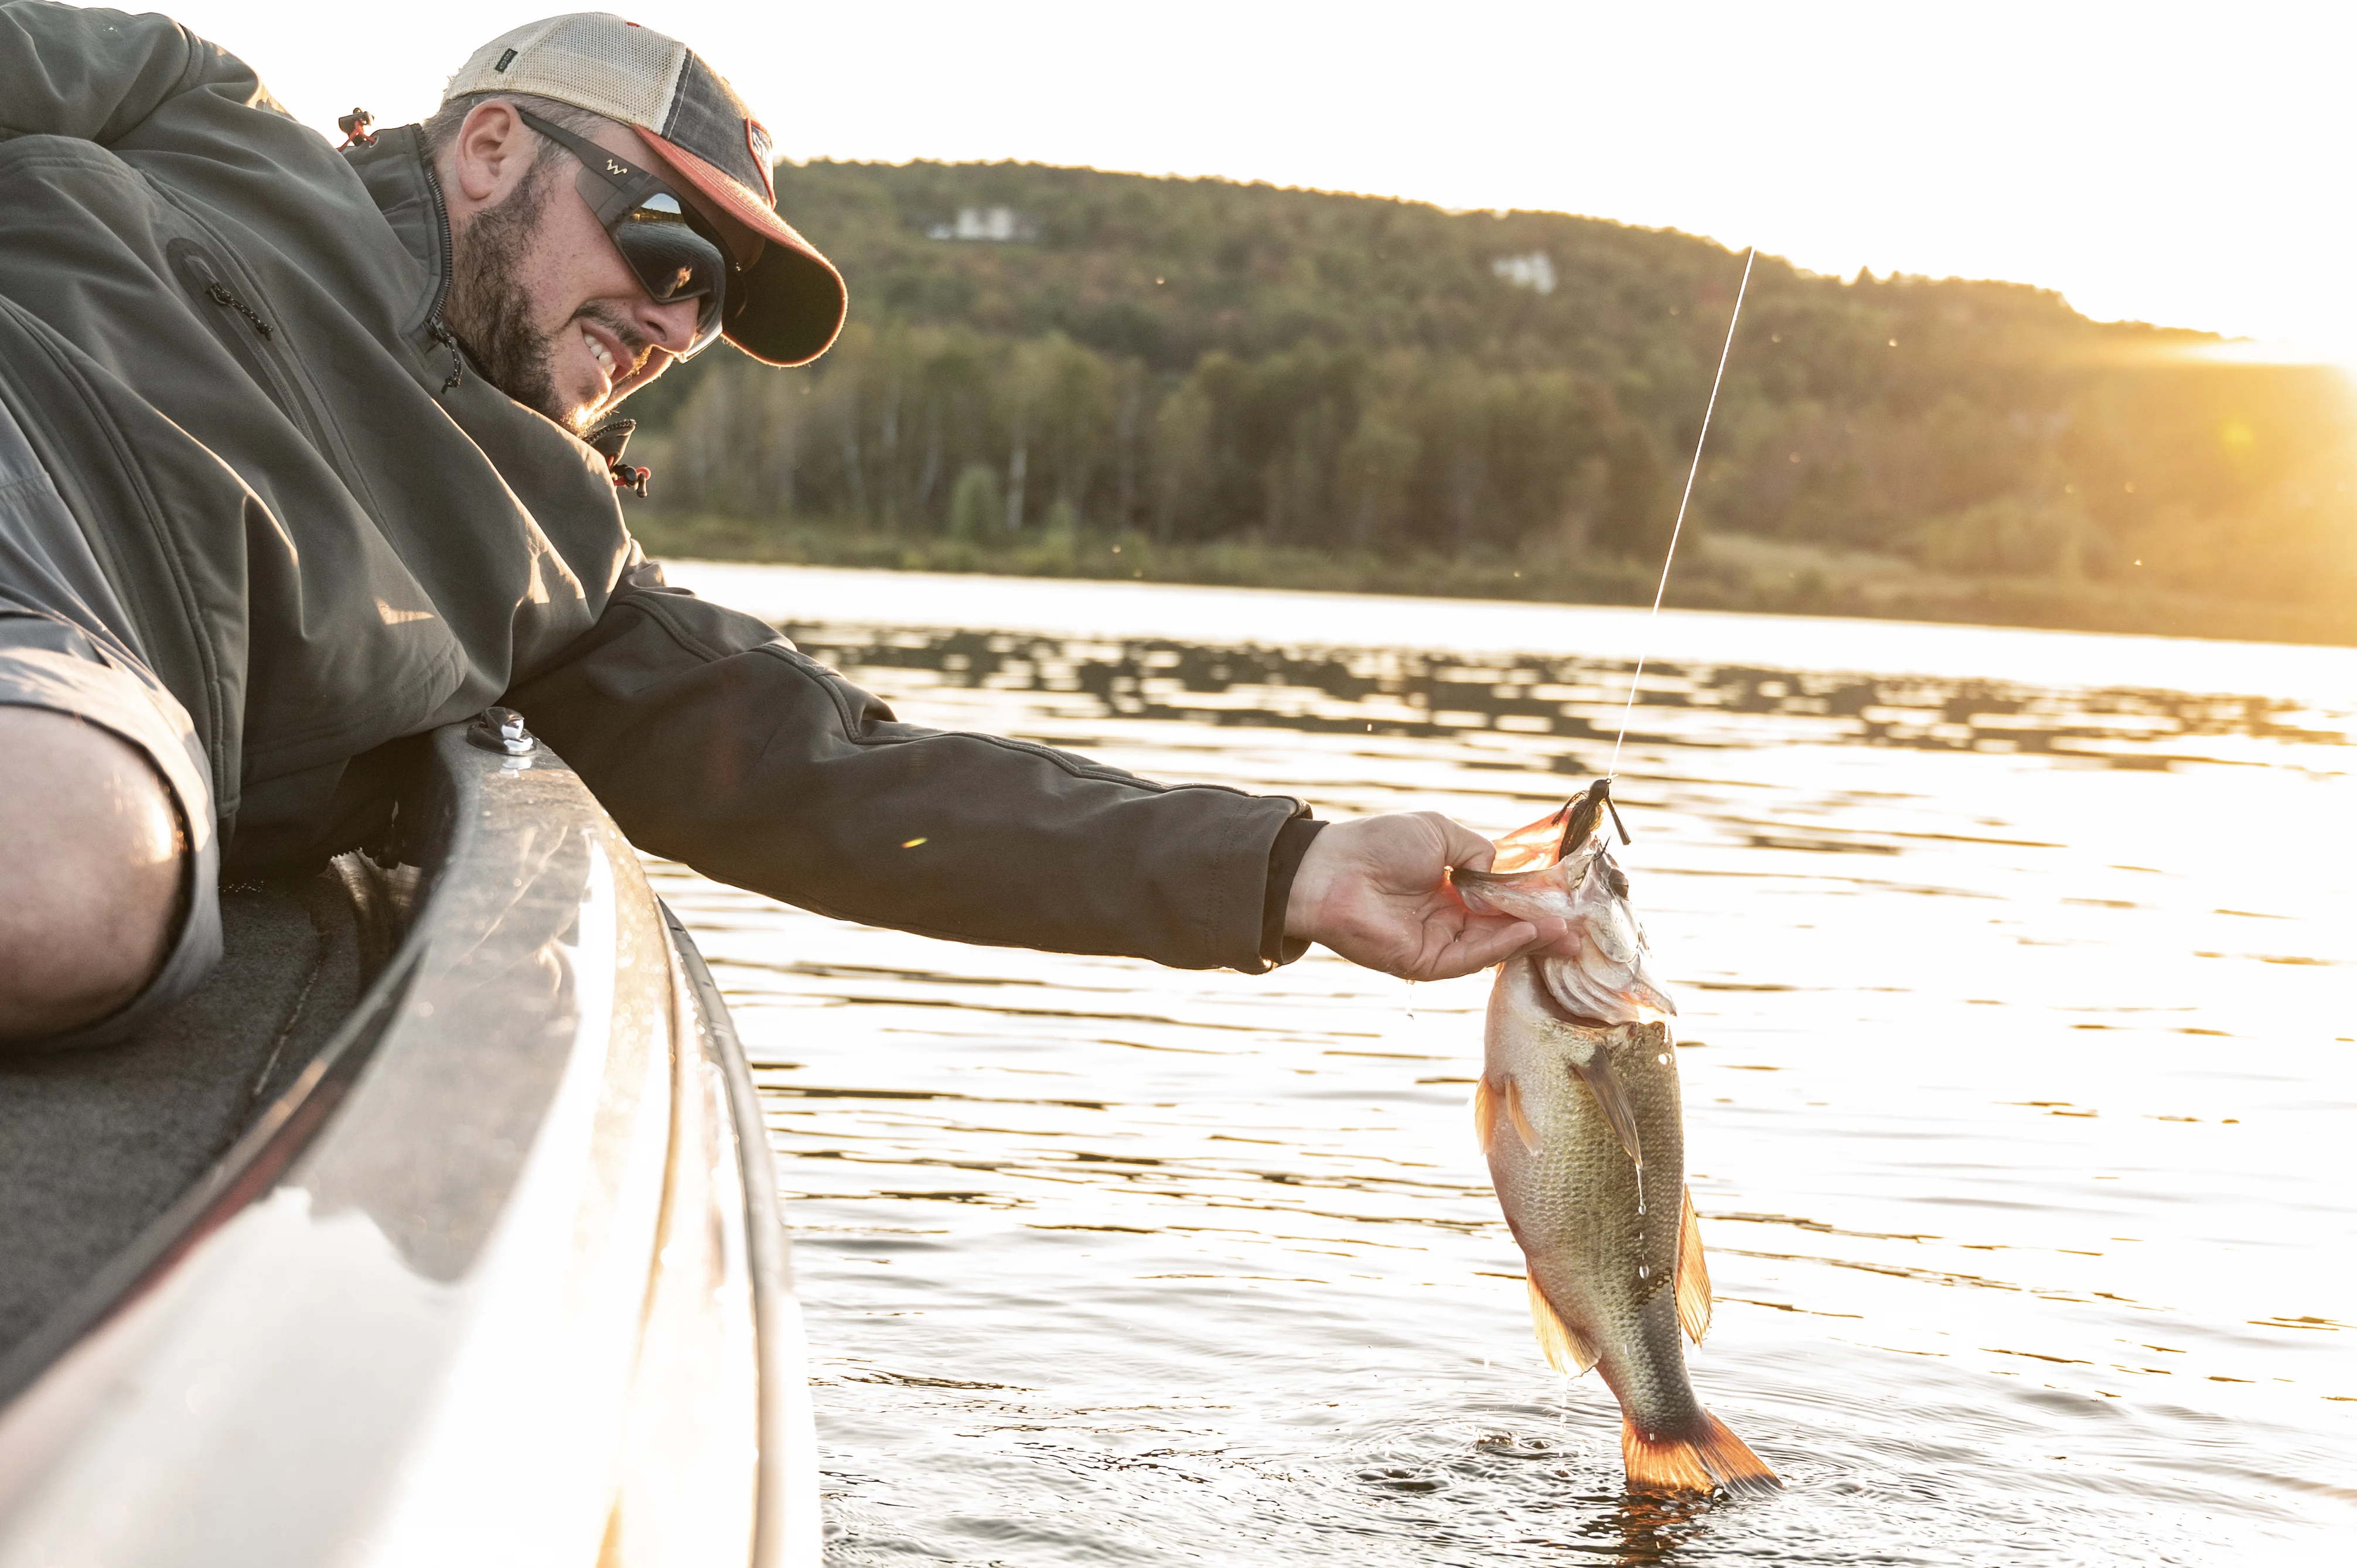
x=612, y=357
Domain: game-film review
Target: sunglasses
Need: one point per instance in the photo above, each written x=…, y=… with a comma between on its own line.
x=670, y=250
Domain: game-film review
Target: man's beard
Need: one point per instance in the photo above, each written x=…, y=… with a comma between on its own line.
x=490, y=311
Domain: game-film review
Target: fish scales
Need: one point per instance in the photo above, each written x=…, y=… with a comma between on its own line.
x=1578, y=1113
x=1601, y=1243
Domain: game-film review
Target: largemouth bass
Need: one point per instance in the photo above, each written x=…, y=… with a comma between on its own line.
x=1578, y=1112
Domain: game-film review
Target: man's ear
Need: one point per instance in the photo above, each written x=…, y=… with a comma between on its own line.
x=493, y=149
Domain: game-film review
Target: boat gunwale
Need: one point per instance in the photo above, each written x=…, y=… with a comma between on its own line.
x=786, y=1504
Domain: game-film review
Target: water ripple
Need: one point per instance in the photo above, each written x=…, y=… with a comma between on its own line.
x=2015, y=1140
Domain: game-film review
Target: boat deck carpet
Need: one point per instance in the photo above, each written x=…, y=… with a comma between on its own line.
x=95, y=1144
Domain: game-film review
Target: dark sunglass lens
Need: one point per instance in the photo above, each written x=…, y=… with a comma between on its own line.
x=672, y=260
x=661, y=208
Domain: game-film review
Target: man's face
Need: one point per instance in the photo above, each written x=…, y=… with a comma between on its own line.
x=539, y=295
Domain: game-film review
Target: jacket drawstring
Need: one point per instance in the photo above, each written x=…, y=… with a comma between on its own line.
x=607, y=441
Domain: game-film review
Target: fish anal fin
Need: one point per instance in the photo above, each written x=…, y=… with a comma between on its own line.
x=1702, y=1459
x=1566, y=1348
x=1485, y=1113
x=1612, y=1099
x=1693, y=1275
x=1521, y=1118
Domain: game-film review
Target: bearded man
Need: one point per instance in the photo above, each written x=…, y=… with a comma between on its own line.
x=305, y=453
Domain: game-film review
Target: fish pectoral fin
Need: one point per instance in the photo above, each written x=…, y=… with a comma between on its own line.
x=1693, y=1275
x=1521, y=1118
x=1611, y=1099
x=1566, y=1348
x=1485, y=1113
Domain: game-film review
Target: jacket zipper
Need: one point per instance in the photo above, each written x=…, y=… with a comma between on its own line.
x=219, y=295
x=435, y=328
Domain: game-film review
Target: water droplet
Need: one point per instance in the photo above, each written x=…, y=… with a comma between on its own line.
x=1664, y=1058
x=1643, y=1272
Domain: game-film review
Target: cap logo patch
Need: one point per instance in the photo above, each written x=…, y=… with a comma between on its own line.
x=756, y=141
x=506, y=60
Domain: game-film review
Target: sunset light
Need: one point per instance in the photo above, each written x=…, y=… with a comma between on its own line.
x=2147, y=161
x=1272, y=783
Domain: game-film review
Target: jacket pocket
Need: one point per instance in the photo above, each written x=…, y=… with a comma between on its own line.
x=237, y=320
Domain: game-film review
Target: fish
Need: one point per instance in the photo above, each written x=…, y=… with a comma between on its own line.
x=1577, y=1113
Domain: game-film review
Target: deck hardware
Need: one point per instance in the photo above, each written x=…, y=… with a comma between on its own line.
x=502, y=729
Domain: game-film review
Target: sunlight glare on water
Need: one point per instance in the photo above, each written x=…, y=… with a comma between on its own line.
x=2016, y=1014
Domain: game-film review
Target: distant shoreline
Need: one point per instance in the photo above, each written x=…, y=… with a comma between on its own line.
x=1752, y=576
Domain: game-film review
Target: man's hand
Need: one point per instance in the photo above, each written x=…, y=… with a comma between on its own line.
x=1373, y=890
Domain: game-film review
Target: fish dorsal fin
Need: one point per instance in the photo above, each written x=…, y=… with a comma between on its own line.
x=1693, y=1275
x=1566, y=1348
x=1521, y=1118
x=1485, y=1113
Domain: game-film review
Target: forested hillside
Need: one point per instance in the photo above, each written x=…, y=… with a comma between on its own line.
x=1233, y=380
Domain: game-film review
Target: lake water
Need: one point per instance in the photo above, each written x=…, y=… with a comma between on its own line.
x=2017, y=978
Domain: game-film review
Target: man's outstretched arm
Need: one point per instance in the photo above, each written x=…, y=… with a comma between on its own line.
x=712, y=741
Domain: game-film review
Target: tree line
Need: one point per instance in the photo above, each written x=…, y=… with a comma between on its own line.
x=1195, y=360
x=926, y=430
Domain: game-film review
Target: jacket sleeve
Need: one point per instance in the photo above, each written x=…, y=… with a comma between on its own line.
x=713, y=740
x=105, y=76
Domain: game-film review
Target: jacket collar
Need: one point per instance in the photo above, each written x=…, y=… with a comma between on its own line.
x=395, y=172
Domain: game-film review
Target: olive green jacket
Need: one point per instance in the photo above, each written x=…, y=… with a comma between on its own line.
x=223, y=339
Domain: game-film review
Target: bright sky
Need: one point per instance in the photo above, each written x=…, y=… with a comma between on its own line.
x=2173, y=163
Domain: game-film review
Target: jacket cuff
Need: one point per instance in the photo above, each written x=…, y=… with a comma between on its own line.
x=1284, y=861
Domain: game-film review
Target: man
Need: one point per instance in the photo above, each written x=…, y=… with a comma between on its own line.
x=304, y=455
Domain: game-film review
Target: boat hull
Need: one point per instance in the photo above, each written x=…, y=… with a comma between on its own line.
x=500, y=1279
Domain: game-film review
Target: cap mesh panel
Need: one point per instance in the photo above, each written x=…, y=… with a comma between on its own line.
x=595, y=62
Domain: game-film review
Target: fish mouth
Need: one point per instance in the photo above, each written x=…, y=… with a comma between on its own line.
x=1579, y=819
x=1522, y=895
x=1500, y=878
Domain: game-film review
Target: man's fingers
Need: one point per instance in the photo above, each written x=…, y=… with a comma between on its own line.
x=1476, y=948
x=1547, y=931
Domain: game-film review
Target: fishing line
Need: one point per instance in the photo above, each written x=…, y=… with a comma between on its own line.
x=1678, y=528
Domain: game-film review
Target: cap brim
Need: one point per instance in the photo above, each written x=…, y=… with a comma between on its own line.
x=785, y=308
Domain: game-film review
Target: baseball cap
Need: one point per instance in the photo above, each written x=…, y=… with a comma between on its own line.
x=787, y=306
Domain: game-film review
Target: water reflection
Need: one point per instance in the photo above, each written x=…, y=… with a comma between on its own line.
x=1439, y=695
x=2017, y=1051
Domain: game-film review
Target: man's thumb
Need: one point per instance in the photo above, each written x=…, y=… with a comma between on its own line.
x=1465, y=849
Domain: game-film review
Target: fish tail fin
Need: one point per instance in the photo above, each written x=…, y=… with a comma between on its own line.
x=1705, y=1458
